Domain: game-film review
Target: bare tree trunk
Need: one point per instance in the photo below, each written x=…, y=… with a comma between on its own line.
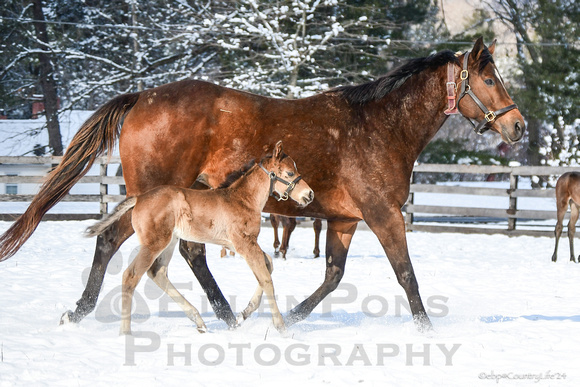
x=47, y=82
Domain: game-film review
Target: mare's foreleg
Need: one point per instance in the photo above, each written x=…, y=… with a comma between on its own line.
x=257, y=297
x=389, y=226
x=338, y=238
x=194, y=254
x=572, y=229
x=107, y=245
x=158, y=273
x=317, y=229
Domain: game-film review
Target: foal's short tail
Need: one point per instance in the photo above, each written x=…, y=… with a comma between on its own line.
x=119, y=211
x=95, y=137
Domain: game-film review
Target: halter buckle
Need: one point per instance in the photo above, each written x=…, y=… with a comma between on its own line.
x=464, y=74
x=490, y=116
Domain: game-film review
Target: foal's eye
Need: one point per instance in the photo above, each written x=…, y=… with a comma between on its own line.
x=290, y=174
x=489, y=82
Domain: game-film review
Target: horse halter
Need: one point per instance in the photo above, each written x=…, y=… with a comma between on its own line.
x=273, y=178
x=490, y=116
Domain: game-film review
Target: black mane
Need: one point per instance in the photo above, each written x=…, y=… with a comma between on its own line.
x=377, y=89
x=236, y=175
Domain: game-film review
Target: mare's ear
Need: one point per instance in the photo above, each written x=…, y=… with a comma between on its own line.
x=491, y=47
x=478, y=48
x=277, y=150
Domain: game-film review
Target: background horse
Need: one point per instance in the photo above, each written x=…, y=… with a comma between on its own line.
x=356, y=146
x=229, y=216
x=567, y=193
x=288, y=226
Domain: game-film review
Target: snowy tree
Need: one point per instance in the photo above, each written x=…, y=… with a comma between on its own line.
x=548, y=70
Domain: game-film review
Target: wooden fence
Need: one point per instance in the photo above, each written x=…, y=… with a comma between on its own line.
x=439, y=218
x=103, y=197
x=511, y=215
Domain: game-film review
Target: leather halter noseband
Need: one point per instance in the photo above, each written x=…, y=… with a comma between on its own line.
x=273, y=178
x=490, y=116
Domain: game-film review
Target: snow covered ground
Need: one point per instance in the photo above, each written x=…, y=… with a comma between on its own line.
x=503, y=313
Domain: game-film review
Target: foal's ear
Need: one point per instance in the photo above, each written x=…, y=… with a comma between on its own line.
x=478, y=48
x=277, y=150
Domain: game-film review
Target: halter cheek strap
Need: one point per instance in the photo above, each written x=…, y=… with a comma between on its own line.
x=273, y=178
x=453, y=107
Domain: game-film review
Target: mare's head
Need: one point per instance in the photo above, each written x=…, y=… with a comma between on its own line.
x=285, y=179
x=483, y=96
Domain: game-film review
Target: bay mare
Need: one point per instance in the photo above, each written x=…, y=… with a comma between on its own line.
x=355, y=145
x=228, y=216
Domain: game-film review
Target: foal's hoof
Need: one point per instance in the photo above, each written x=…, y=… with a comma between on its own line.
x=66, y=318
x=202, y=329
x=240, y=319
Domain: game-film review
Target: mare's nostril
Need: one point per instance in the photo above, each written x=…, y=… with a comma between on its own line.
x=311, y=196
x=519, y=130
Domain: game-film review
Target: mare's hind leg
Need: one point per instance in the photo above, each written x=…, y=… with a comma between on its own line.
x=194, y=254
x=562, y=206
x=257, y=297
x=572, y=228
x=254, y=256
x=158, y=273
x=107, y=245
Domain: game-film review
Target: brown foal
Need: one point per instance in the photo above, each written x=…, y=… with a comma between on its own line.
x=228, y=216
x=567, y=192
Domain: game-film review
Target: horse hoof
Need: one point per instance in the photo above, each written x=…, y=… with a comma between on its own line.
x=66, y=317
x=202, y=329
x=240, y=319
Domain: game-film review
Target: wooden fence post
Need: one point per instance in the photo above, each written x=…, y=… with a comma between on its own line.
x=513, y=205
x=104, y=190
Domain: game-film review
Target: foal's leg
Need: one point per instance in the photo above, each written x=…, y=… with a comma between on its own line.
x=158, y=273
x=132, y=275
x=562, y=206
x=289, y=226
x=317, y=229
x=194, y=254
x=107, y=245
x=274, y=222
x=257, y=297
x=572, y=228
x=255, y=258
x=338, y=238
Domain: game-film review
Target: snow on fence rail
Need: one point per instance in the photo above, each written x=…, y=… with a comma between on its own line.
x=505, y=219
x=440, y=215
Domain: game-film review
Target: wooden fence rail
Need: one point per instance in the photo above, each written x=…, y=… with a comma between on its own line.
x=103, y=197
x=511, y=214
x=440, y=218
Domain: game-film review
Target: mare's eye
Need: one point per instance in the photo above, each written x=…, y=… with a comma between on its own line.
x=290, y=174
x=489, y=82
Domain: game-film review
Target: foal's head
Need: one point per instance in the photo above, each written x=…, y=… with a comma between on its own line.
x=285, y=179
x=495, y=109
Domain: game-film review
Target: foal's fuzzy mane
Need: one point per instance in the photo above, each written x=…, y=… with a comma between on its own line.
x=377, y=89
x=236, y=175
